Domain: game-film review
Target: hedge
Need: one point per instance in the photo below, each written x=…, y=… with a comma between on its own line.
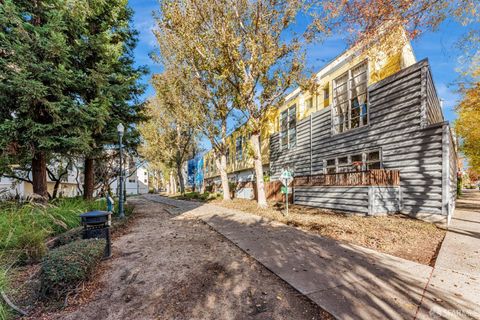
x=67, y=266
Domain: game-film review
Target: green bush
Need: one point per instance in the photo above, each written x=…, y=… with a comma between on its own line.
x=68, y=236
x=67, y=266
x=24, y=228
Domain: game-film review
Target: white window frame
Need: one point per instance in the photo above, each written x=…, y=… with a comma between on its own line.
x=281, y=135
x=239, y=155
x=365, y=163
x=348, y=120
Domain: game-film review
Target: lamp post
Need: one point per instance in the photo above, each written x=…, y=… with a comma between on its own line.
x=120, y=130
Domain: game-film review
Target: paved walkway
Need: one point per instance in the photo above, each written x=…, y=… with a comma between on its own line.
x=352, y=282
x=454, y=288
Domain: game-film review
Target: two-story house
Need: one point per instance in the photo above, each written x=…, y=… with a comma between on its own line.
x=369, y=138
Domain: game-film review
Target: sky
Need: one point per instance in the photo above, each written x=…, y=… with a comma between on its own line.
x=439, y=47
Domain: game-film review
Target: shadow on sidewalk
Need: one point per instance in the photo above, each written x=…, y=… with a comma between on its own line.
x=349, y=281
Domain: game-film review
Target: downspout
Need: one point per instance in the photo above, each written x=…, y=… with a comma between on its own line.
x=311, y=144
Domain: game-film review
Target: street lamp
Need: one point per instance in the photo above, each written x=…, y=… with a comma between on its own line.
x=120, y=130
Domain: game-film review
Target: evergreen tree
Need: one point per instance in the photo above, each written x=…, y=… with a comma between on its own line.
x=39, y=112
x=108, y=86
x=67, y=79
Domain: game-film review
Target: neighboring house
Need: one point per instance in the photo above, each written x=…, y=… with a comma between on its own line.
x=194, y=173
x=136, y=182
x=371, y=139
x=136, y=178
x=69, y=187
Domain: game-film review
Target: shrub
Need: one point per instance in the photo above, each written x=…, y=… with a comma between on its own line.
x=67, y=266
x=25, y=227
x=69, y=236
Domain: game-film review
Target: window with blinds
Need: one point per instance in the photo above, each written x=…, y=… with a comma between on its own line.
x=350, y=105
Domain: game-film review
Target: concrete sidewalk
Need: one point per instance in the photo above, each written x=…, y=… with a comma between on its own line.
x=453, y=291
x=348, y=281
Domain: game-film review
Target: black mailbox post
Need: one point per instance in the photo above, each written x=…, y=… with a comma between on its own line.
x=96, y=224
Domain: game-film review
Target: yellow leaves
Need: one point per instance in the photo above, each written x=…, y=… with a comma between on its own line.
x=467, y=125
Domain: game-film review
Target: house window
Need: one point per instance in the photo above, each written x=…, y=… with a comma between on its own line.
x=350, y=105
x=354, y=162
x=331, y=166
x=343, y=164
x=309, y=103
x=131, y=180
x=288, y=128
x=373, y=160
x=326, y=96
x=239, y=148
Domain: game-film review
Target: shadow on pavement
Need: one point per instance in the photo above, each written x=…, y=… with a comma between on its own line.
x=349, y=281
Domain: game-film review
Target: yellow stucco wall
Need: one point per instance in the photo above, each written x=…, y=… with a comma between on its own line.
x=384, y=58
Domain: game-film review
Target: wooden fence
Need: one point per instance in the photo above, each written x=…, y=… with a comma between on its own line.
x=377, y=177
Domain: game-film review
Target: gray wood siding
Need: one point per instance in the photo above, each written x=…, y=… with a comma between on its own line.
x=434, y=111
x=384, y=200
x=397, y=107
x=351, y=199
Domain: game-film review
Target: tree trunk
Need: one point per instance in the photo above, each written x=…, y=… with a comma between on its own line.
x=180, y=178
x=257, y=160
x=39, y=174
x=55, y=189
x=89, y=182
x=174, y=184
x=222, y=165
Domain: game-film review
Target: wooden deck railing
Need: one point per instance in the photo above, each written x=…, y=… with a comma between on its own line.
x=378, y=177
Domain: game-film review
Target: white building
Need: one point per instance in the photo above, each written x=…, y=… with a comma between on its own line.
x=136, y=178
x=69, y=187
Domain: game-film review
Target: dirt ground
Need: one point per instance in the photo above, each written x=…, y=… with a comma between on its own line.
x=397, y=235
x=175, y=269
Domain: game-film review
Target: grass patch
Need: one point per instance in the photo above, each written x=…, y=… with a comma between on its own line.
x=4, y=309
x=397, y=235
x=67, y=266
x=24, y=228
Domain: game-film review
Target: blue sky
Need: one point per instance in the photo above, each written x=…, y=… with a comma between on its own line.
x=438, y=47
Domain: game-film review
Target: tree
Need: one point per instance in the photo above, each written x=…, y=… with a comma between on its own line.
x=212, y=97
x=361, y=19
x=39, y=114
x=171, y=133
x=467, y=125
x=244, y=44
x=108, y=83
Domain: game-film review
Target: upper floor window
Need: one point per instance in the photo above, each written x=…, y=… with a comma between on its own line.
x=239, y=149
x=288, y=128
x=350, y=105
x=309, y=103
x=326, y=95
